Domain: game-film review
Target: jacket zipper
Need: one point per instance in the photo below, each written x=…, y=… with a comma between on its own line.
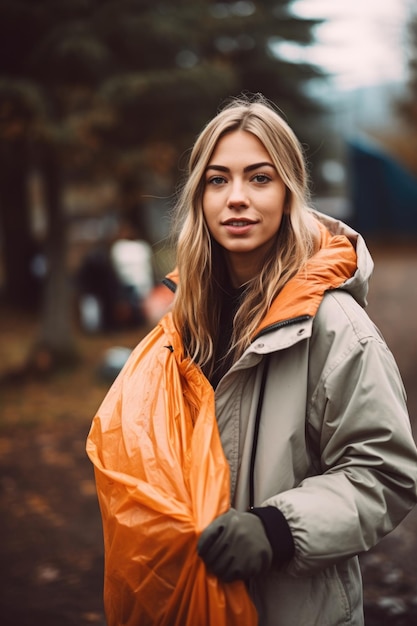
x=256, y=434
x=277, y=325
x=172, y=286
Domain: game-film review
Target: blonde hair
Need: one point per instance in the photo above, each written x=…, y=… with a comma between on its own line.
x=200, y=263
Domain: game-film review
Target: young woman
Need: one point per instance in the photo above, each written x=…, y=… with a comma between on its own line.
x=269, y=305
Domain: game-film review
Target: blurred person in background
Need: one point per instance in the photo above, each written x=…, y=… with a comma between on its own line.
x=269, y=303
x=114, y=282
x=132, y=260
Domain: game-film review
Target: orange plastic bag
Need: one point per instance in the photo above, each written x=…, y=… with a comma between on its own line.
x=161, y=478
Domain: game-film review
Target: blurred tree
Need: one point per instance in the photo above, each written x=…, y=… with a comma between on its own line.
x=40, y=130
x=408, y=104
x=93, y=87
x=20, y=108
x=175, y=61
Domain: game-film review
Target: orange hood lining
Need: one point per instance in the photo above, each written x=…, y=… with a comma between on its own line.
x=333, y=264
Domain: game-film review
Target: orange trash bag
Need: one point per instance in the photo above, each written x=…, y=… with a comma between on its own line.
x=161, y=478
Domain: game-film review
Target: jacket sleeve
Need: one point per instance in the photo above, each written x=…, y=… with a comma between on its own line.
x=364, y=456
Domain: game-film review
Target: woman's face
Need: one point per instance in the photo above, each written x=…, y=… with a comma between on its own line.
x=243, y=202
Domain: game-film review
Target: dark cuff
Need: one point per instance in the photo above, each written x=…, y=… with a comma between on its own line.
x=278, y=533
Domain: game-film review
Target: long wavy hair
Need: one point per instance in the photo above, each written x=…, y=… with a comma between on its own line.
x=200, y=260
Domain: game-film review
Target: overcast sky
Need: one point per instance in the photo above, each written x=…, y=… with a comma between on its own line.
x=362, y=42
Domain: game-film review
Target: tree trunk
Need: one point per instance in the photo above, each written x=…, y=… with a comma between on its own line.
x=56, y=338
x=18, y=244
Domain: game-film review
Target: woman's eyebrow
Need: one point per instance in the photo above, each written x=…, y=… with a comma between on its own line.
x=248, y=168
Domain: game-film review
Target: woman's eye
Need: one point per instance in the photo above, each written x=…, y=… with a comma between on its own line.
x=261, y=178
x=216, y=180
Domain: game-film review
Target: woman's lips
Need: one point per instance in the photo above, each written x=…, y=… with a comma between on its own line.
x=238, y=227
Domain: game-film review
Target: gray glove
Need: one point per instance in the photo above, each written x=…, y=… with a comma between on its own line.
x=235, y=546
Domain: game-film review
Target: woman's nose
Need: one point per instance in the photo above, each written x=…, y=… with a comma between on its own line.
x=237, y=195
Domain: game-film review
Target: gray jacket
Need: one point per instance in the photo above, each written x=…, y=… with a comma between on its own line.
x=334, y=450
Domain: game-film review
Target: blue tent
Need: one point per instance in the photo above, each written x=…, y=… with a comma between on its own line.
x=383, y=192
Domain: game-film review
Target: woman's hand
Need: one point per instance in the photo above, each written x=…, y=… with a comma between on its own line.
x=235, y=546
